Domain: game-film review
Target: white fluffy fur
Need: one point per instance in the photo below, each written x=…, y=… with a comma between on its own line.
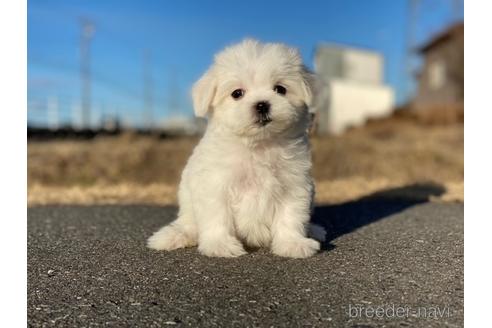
x=248, y=184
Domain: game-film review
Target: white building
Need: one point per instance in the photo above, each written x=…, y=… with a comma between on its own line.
x=351, y=88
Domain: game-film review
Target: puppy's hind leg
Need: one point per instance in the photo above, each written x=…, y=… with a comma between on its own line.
x=178, y=234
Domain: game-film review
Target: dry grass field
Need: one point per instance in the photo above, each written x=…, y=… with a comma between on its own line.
x=128, y=169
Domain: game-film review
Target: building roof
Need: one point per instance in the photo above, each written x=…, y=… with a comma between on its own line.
x=441, y=37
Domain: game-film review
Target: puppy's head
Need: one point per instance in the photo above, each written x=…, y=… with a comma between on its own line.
x=255, y=90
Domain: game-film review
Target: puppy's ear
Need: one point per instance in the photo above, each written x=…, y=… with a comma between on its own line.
x=308, y=86
x=203, y=93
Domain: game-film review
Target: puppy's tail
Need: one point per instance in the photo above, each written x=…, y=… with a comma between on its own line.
x=316, y=232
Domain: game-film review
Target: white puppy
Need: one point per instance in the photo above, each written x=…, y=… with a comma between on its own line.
x=248, y=181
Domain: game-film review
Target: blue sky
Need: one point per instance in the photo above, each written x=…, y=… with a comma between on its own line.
x=182, y=37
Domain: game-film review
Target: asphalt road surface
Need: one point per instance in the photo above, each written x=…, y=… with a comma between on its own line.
x=88, y=266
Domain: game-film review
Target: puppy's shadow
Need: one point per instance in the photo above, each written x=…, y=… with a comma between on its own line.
x=344, y=218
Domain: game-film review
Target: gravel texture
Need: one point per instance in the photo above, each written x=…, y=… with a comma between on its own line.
x=88, y=266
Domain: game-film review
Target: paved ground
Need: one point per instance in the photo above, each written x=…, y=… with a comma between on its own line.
x=88, y=266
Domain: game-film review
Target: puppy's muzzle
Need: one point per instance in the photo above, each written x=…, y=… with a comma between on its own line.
x=263, y=113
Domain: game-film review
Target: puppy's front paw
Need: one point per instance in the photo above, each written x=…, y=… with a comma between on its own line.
x=221, y=247
x=297, y=248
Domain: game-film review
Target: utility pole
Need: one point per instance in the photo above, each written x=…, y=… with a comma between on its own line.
x=173, y=94
x=409, y=68
x=53, y=119
x=88, y=30
x=148, y=91
x=457, y=10
x=76, y=116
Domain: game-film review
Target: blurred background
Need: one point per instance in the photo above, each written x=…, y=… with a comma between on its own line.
x=110, y=118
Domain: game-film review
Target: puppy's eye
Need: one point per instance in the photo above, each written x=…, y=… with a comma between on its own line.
x=280, y=89
x=238, y=93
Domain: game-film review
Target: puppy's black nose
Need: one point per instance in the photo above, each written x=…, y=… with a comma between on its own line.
x=262, y=107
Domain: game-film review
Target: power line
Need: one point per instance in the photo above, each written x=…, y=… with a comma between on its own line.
x=96, y=76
